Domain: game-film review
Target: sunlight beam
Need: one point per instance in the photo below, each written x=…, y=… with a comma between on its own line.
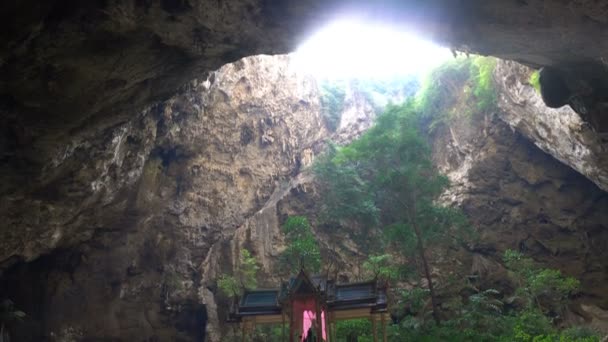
x=351, y=48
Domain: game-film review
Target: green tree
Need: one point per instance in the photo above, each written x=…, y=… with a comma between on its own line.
x=243, y=278
x=536, y=285
x=380, y=267
x=387, y=179
x=356, y=330
x=302, y=247
x=332, y=103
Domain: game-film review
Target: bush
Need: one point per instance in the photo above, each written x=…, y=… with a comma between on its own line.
x=332, y=104
x=229, y=286
x=534, y=81
x=536, y=284
x=302, y=248
x=484, y=317
x=482, y=69
x=243, y=278
x=441, y=87
x=447, y=91
x=380, y=267
x=359, y=330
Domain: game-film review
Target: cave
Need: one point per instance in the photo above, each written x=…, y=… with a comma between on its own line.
x=143, y=147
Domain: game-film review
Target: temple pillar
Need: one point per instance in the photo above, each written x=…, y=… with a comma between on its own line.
x=383, y=327
x=327, y=328
x=291, y=327
x=243, y=339
x=374, y=330
x=318, y=321
x=283, y=327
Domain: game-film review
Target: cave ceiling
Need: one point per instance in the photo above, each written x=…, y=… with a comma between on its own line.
x=70, y=68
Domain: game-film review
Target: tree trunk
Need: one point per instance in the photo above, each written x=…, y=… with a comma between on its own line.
x=427, y=273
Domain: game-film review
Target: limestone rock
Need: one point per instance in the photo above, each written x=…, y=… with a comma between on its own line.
x=559, y=132
x=120, y=223
x=519, y=197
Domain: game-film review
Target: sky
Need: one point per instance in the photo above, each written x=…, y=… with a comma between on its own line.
x=350, y=48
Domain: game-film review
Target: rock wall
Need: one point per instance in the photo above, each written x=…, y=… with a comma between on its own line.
x=531, y=179
x=124, y=231
x=70, y=68
x=122, y=221
x=515, y=192
x=559, y=132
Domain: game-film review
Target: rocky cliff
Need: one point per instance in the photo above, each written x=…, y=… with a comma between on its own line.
x=532, y=179
x=123, y=232
x=109, y=242
x=71, y=67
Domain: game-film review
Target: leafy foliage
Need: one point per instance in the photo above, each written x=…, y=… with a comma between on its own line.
x=380, y=267
x=359, y=330
x=461, y=80
x=415, y=299
x=536, y=284
x=484, y=323
x=229, y=286
x=386, y=180
x=302, y=248
x=379, y=93
x=332, y=103
x=244, y=277
x=269, y=333
x=484, y=316
x=261, y=333
x=346, y=197
x=534, y=81
x=441, y=87
x=483, y=83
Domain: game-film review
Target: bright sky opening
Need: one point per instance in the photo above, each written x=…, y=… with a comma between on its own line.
x=355, y=49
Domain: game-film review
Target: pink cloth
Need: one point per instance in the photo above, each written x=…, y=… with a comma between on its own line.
x=308, y=317
x=304, y=313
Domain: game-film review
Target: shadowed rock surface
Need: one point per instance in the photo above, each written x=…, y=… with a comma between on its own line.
x=139, y=206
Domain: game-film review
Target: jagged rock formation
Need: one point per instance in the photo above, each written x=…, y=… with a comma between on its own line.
x=521, y=198
x=525, y=175
x=69, y=68
x=559, y=132
x=147, y=200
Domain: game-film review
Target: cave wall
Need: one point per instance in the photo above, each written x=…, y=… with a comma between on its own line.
x=135, y=223
x=519, y=196
x=71, y=68
x=138, y=207
x=114, y=189
x=560, y=132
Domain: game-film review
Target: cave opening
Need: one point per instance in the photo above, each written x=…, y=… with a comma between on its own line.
x=356, y=48
x=162, y=182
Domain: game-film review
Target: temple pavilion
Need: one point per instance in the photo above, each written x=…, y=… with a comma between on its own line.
x=310, y=306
